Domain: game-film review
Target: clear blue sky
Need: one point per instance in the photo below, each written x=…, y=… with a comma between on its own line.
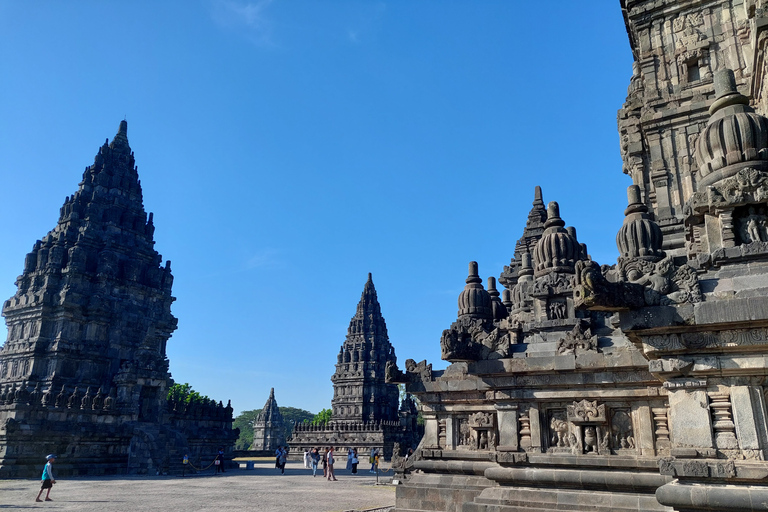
x=288, y=148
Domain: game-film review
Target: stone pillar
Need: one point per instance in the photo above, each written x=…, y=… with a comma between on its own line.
x=644, y=429
x=450, y=432
x=535, y=417
x=749, y=415
x=431, y=428
x=507, y=415
x=690, y=424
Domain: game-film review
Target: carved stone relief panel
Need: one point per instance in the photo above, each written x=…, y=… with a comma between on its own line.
x=483, y=431
x=462, y=433
x=622, y=432
x=559, y=439
x=751, y=224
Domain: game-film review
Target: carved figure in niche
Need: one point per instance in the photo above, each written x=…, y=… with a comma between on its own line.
x=590, y=439
x=559, y=429
x=621, y=431
x=482, y=443
x=556, y=310
x=464, y=435
x=575, y=445
x=752, y=226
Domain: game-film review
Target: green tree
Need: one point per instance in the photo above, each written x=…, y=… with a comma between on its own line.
x=244, y=422
x=185, y=393
x=322, y=417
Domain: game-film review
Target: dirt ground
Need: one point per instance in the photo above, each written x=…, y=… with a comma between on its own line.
x=262, y=488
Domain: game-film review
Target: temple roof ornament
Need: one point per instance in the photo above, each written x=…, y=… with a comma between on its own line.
x=474, y=300
x=558, y=249
x=639, y=236
x=735, y=136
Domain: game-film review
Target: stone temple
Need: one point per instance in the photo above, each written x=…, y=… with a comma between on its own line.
x=269, y=427
x=84, y=372
x=365, y=407
x=639, y=385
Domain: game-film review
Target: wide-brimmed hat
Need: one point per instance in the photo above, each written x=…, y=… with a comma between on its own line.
x=49, y=457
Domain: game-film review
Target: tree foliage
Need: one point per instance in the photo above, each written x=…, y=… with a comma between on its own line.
x=322, y=417
x=245, y=419
x=184, y=393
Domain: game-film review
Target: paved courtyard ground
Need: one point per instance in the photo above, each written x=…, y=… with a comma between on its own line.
x=262, y=488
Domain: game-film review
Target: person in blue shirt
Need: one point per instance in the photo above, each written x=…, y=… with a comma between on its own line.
x=48, y=479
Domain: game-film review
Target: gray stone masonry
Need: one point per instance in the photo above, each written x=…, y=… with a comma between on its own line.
x=84, y=370
x=365, y=407
x=637, y=386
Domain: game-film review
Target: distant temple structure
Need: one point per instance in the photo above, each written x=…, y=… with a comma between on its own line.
x=365, y=408
x=84, y=372
x=269, y=427
x=637, y=386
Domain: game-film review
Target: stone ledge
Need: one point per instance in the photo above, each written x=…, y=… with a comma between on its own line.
x=577, y=478
x=707, y=497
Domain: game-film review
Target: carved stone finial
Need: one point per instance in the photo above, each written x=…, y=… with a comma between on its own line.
x=735, y=135
x=639, y=236
x=492, y=291
x=558, y=249
x=553, y=215
x=474, y=301
x=726, y=92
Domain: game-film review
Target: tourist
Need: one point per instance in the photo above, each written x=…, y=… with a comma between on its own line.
x=349, y=458
x=355, y=461
x=315, y=457
x=372, y=459
x=331, y=475
x=48, y=479
x=277, y=457
x=306, y=458
x=282, y=458
x=220, y=461
x=325, y=463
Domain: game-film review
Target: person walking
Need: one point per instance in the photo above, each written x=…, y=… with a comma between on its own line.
x=306, y=458
x=355, y=461
x=220, y=461
x=349, y=458
x=315, y=458
x=372, y=460
x=331, y=461
x=48, y=479
x=325, y=463
x=282, y=458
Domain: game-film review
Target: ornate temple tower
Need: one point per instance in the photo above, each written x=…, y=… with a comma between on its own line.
x=360, y=393
x=92, y=313
x=677, y=46
x=269, y=427
x=365, y=408
x=85, y=358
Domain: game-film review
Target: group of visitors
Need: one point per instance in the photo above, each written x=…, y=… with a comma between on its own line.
x=326, y=457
